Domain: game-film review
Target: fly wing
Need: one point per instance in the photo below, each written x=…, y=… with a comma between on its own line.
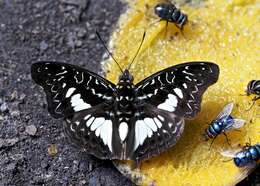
x=226, y=111
x=238, y=123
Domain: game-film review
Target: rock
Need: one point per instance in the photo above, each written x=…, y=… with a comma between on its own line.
x=92, y=36
x=93, y=182
x=52, y=150
x=75, y=167
x=8, y=142
x=22, y=97
x=10, y=166
x=31, y=130
x=80, y=3
x=4, y=107
x=72, y=40
x=44, y=164
x=15, y=113
x=43, y=46
x=14, y=95
x=81, y=32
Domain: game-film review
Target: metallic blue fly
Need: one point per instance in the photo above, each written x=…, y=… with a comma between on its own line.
x=248, y=156
x=223, y=123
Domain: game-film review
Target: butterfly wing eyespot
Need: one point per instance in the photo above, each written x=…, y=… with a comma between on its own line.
x=70, y=88
x=178, y=89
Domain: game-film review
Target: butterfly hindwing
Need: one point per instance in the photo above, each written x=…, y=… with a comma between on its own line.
x=94, y=131
x=178, y=89
x=155, y=131
x=70, y=88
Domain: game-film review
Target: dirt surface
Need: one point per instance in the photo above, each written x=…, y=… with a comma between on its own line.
x=62, y=30
x=33, y=148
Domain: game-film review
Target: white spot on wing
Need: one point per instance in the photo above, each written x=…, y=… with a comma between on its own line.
x=77, y=80
x=178, y=92
x=185, y=72
x=70, y=92
x=169, y=103
x=97, y=123
x=142, y=131
x=87, y=116
x=78, y=104
x=71, y=128
x=106, y=134
x=187, y=77
x=185, y=85
x=89, y=122
x=123, y=130
x=149, y=122
x=165, y=106
x=64, y=72
x=158, y=123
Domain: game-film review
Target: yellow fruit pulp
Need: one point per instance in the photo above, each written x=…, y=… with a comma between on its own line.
x=224, y=32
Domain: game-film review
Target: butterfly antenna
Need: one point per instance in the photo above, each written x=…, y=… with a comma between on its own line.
x=109, y=53
x=129, y=66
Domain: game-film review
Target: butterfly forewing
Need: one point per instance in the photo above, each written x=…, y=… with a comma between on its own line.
x=178, y=89
x=70, y=88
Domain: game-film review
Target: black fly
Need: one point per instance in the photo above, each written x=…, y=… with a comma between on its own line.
x=169, y=13
x=253, y=87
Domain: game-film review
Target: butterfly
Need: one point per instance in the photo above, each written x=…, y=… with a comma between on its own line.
x=124, y=121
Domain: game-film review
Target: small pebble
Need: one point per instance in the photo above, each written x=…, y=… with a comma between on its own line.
x=15, y=113
x=81, y=32
x=31, y=130
x=92, y=36
x=43, y=46
x=14, y=95
x=52, y=150
x=8, y=142
x=4, y=108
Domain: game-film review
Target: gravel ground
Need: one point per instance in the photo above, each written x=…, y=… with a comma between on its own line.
x=33, y=148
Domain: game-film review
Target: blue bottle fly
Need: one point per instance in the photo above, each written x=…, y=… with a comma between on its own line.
x=249, y=154
x=247, y=157
x=223, y=123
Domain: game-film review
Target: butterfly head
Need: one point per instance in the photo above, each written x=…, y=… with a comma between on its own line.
x=126, y=77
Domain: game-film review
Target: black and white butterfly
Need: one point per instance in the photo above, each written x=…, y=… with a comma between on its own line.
x=124, y=121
